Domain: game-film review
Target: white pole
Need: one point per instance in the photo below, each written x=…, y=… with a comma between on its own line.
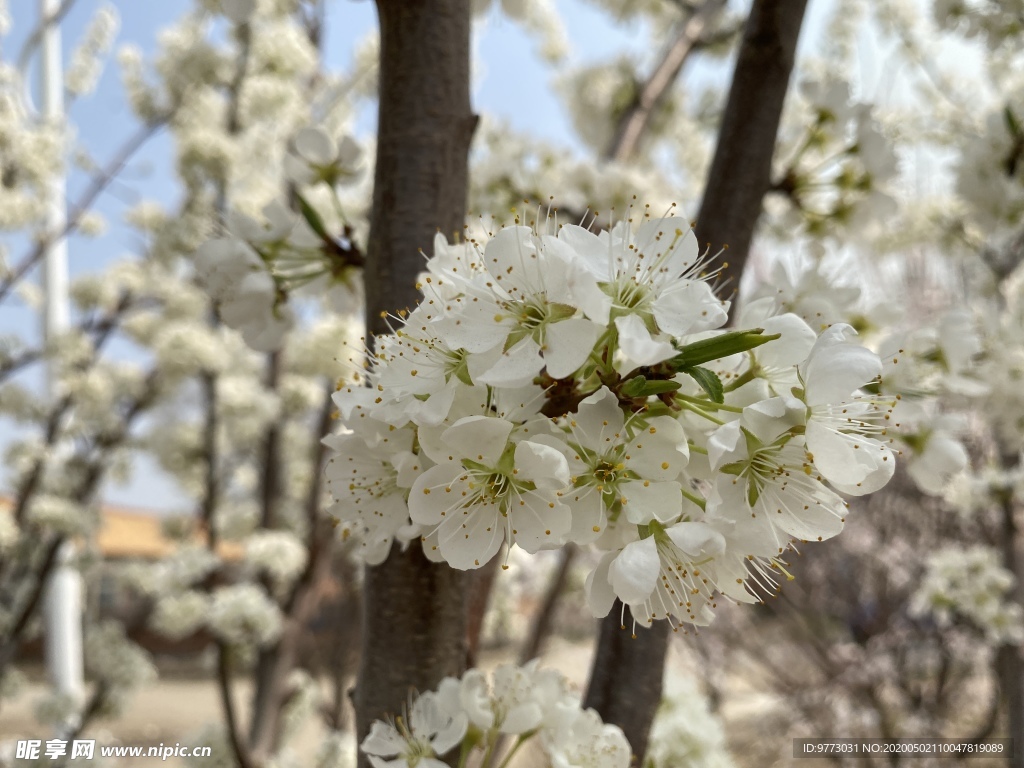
x=64, y=594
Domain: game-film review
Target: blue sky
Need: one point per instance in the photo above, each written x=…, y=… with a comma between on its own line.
x=511, y=81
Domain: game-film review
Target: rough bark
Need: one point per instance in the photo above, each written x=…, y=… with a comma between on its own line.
x=741, y=170
x=626, y=678
x=413, y=610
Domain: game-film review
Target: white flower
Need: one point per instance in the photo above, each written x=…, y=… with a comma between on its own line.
x=653, y=276
x=251, y=307
x=579, y=739
x=278, y=553
x=973, y=584
x=521, y=305
x=369, y=477
x=668, y=574
x=235, y=276
x=768, y=478
x=430, y=730
x=846, y=433
x=519, y=700
x=418, y=375
x=179, y=615
x=685, y=733
x=490, y=490
x=243, y=613
x=830, y=98
x=115, y=661
x=618, y=465
x=318, y=157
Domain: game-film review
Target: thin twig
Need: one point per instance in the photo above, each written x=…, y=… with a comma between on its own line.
x=634, y=122
x=99, y=183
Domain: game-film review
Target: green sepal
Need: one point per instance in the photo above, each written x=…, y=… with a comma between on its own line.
x=753, y=494
x=313, y=218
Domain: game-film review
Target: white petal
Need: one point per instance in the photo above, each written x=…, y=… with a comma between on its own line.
x=349, y=152
x=516, y=367
x=568, y=344
x=541, y=464
x=436, y=494
x=474, y=327
x=792, y=348
x=634, y=573
x=659, y=452
x=723, y=444
x=469, y=541
x=480, y=438
x=636, y=344
x=451, y=735
x=297, y=170
x=539, y=520
x=600, y=595
x=767, y=419
x=836, y=368
x=852, y=463
x=597, y=417
x=689, y=307
x=644, y=501
x=476, y=700
x=315, y=146
x=382, y=740
x=697, y=539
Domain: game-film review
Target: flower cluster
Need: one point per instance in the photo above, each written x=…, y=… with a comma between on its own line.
x=838, y=165
x=253, y=269
x=573, y=387
x=477, y=714
x=685, y=732
x=970, y=583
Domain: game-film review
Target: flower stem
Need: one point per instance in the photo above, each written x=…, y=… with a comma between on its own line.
x=709, y=403
x=700, y=412
x=700, y=502
x=519, y=742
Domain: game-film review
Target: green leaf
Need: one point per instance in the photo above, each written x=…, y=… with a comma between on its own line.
x=717, y=347
x=708, y=381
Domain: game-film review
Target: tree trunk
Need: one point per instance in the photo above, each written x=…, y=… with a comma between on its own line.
x=413, y=610
x=741, y=170
x=625, y=681
x=626, y=677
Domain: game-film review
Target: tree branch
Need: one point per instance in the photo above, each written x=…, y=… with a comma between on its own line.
x=99, y=183
x=633, y=123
